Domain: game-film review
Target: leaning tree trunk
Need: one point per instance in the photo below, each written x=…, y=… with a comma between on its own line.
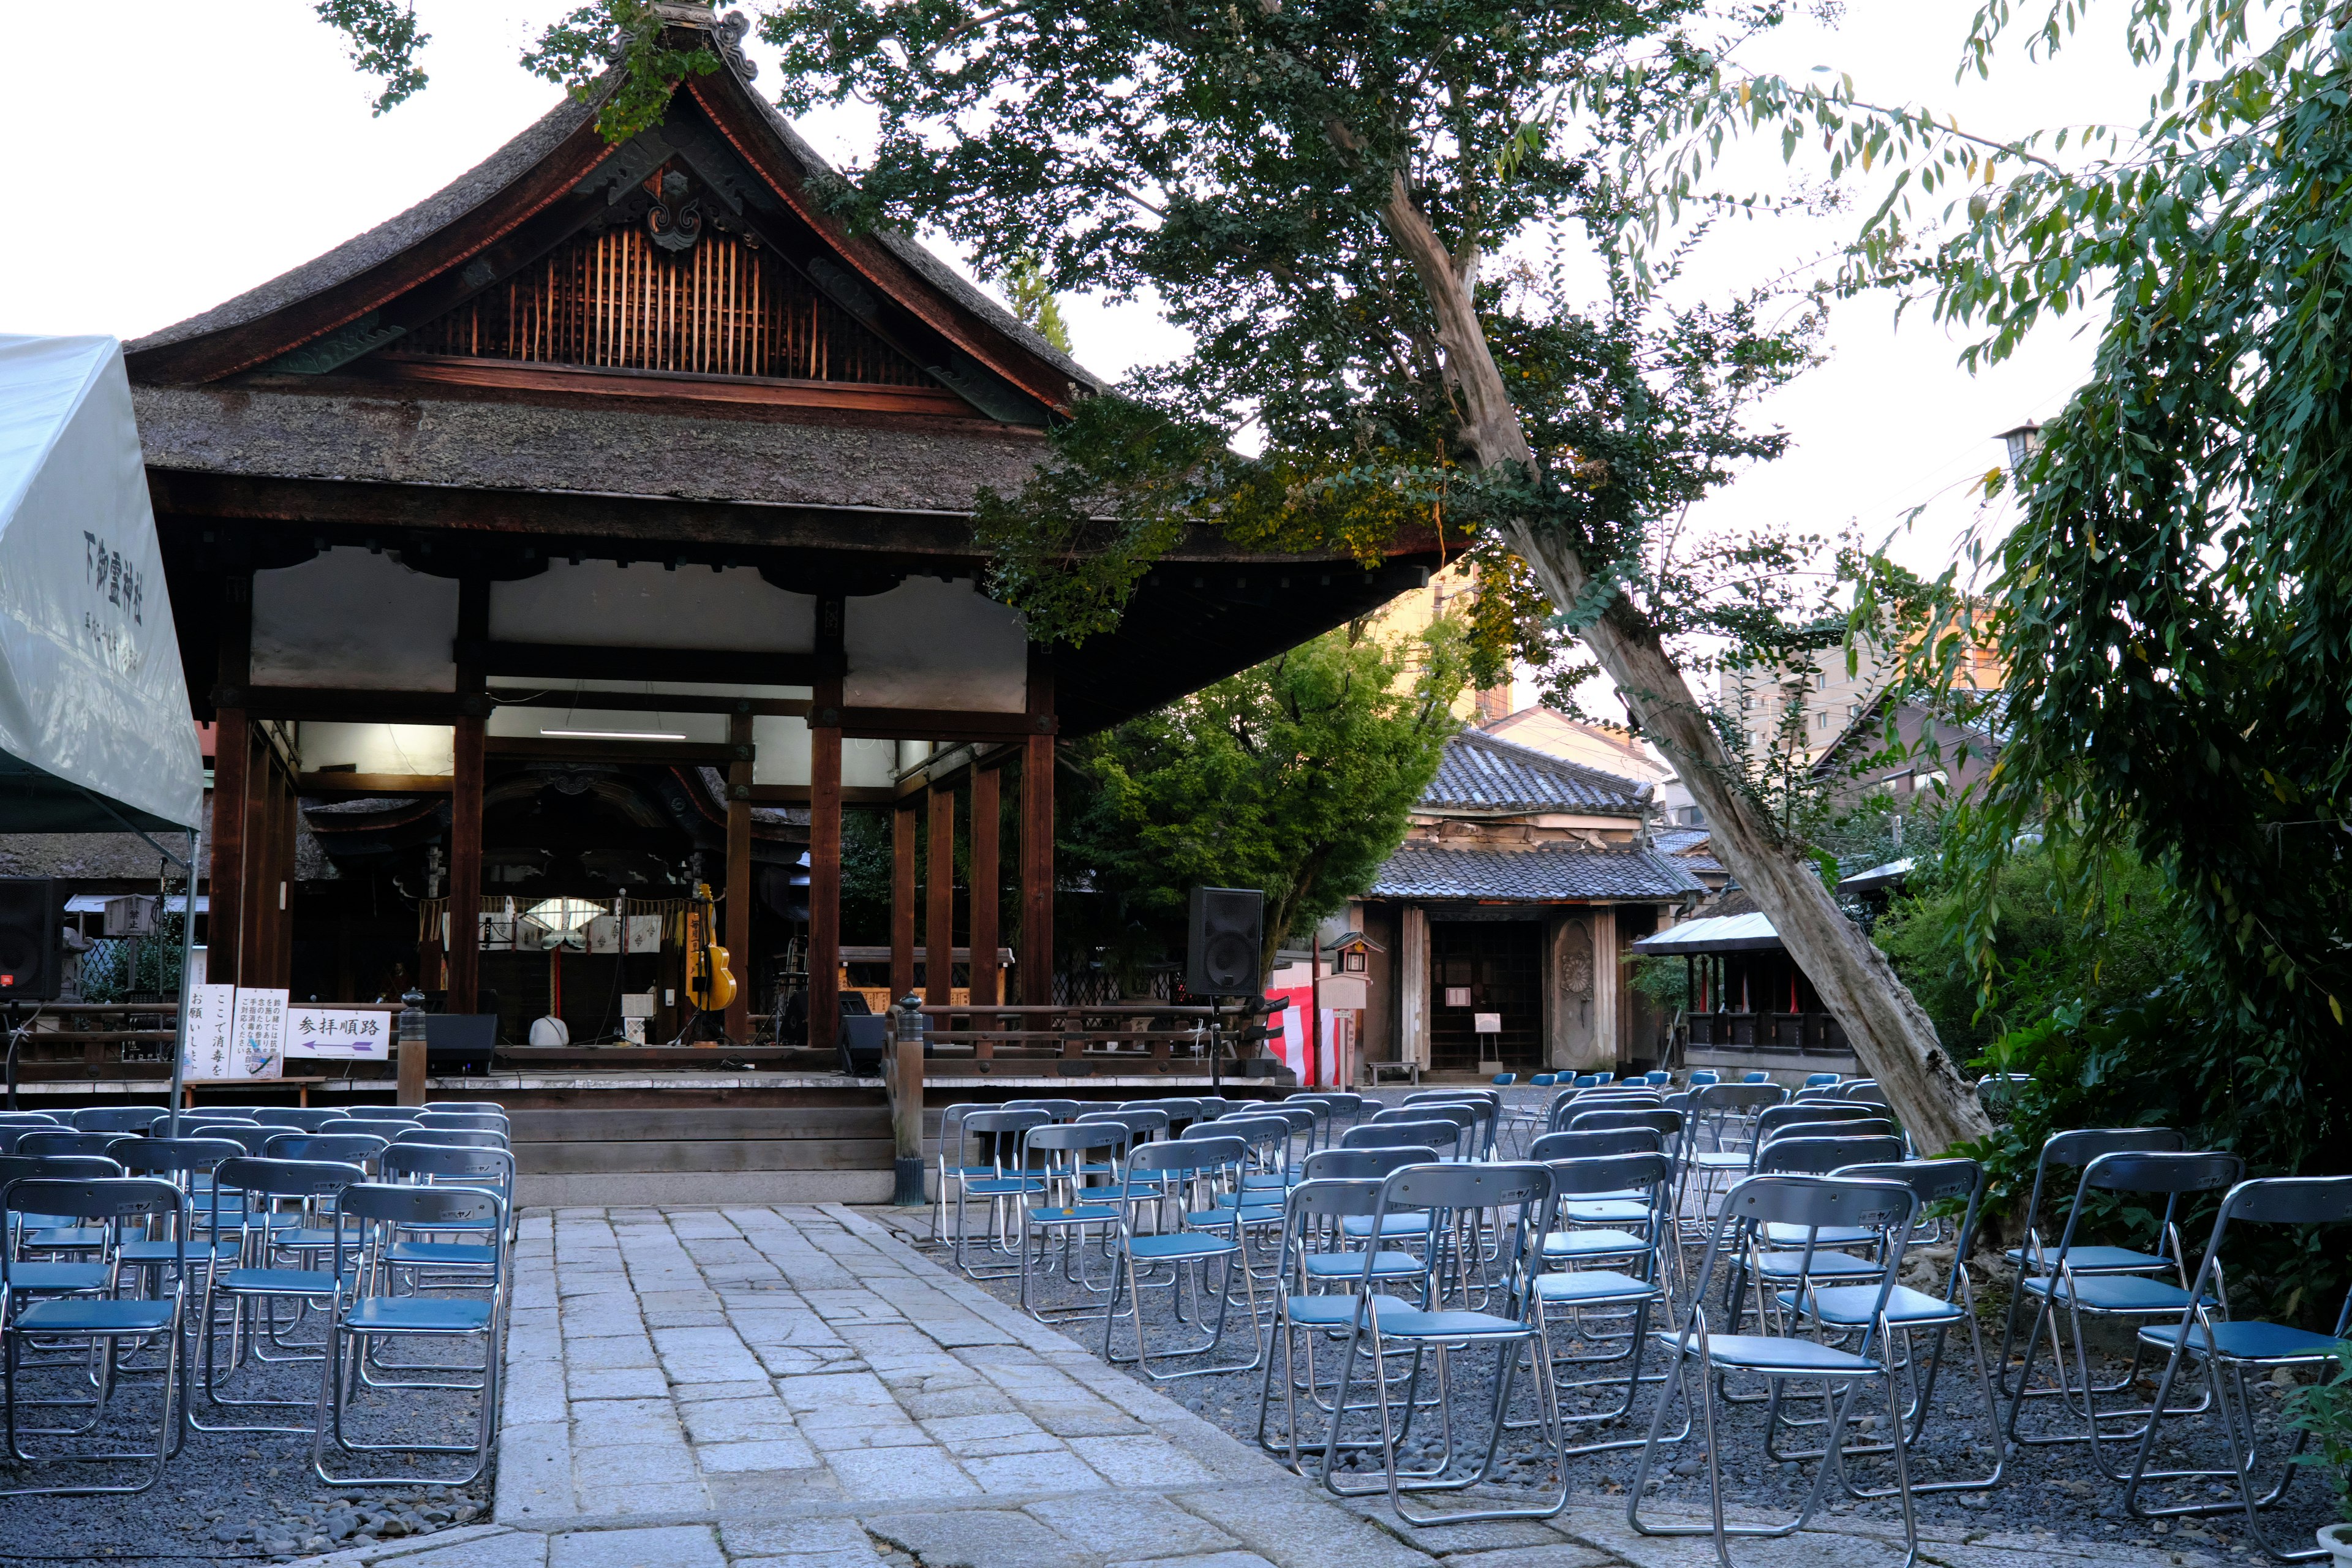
x=1893, y=1038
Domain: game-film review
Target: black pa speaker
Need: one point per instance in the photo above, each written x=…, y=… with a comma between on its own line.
x=32, y=938
x=1221, y=947
x=860, y=1038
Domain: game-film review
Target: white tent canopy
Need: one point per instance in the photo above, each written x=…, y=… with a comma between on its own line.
x=93, y=700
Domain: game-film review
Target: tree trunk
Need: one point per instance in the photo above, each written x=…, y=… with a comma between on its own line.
x=1893, y=1038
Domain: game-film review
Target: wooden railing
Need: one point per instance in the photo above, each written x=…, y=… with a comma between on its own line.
x=1769, y=1032
x=1143, y=1032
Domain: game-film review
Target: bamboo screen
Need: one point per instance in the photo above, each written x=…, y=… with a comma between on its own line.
x=615, y=300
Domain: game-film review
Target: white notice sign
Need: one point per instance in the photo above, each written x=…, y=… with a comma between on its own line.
x=211, y=1011
x=258, y=1034
x=1486, y=1023
x=340, y=1034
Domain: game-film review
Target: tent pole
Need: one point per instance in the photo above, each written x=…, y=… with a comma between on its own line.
x=187, y=985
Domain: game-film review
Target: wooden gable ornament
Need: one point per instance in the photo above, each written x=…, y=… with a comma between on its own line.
x=692, y=263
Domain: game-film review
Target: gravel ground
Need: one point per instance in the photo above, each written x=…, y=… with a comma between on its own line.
x=233, y=1496
x=2056, y=1489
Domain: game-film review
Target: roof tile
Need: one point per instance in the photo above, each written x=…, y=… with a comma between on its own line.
x=1422, y=871
x=1480, y=773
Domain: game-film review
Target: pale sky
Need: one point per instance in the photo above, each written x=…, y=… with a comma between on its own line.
x=188, y=151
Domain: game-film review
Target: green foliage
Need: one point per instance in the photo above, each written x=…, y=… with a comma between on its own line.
x=2324, y=1410
x=1033, y=305
x=1664, y=979
x=866, y=872
x=1234, y=161
x=115, y=968
x=2050, y=951
x=619, y=40
x=1295, y=776
x=2175, y=610
x=384, y=43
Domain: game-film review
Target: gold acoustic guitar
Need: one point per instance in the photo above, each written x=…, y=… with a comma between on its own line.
x=710, y=984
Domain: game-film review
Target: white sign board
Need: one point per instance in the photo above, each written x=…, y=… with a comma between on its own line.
x=642, y=932
x=258, y=1034
x=340, y=1034
x=1344, y=993
x=1486, y=1023
x=1457, y=995
x=211, y=1011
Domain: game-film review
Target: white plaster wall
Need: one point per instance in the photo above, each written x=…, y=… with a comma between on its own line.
x=928, y=643
x=605, y=605
x=354, y=619
x=429, y=750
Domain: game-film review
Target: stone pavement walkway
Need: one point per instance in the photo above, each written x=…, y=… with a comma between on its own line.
x=798, y=1388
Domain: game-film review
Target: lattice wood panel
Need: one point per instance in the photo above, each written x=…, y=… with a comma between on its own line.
x=615, y=299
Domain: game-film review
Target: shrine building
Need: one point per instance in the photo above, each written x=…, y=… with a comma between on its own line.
x=603, y=525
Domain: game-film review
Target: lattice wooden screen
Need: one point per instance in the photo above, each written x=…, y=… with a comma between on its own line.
x=615, y=299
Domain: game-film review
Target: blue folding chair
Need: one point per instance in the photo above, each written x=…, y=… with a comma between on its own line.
x=1004, y=1193
x=243, y=1199
x=2134, y=1296
x=1840, y=1309
x=1073, y=1210
x=1468, y=1303
x=106, y=1324
x=2225, y=1348
x=2073, y=1150
x=1703, y=1358
x=1189, y=1171
x=370, y=1312
x=1608, y=1283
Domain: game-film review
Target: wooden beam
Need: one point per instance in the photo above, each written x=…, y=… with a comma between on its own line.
x=987, y=839
x=739, y=881
x=1037, y=838
x=902, y=898
x=652, y=702
x=939, y=901
x=590, y=751
x=802, y=794
x=675, y=386
x=935, y=725
x=610, y=523
x=566, y=661
x=376, y=783
x=824, y=829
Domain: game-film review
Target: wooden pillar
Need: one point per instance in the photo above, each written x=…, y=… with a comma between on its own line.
x=466, y=800
x=1413, y=986
x=232, y=778
x=255, y=942
x=903, y=818
x=987, y=835
x=465, y=869
x=282, y=833
x=824, y=829
x=1608, y=1049
x=1038, y=835
x=226, y=923
x=939, y=901
x=738, y=876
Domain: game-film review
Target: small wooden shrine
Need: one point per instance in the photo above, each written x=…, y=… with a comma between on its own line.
x=602, y=525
